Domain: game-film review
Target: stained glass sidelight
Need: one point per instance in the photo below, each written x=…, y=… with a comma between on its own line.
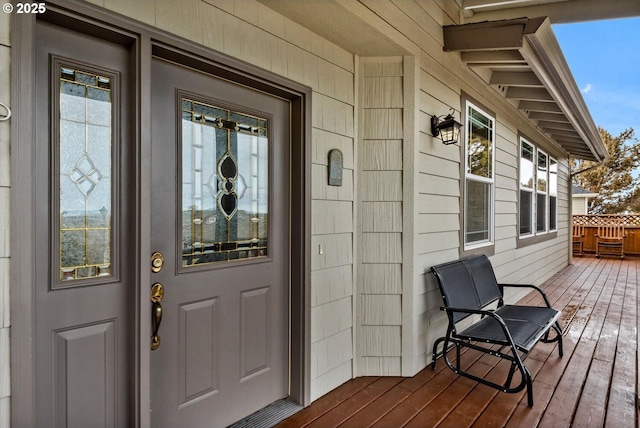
x=85, y=175
x=224, y=184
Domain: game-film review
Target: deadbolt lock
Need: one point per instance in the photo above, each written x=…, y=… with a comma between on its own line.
x=157, y=262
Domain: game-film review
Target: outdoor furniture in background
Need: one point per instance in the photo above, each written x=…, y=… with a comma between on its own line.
x=591, y=223
x=610, y=239
x=578, y=240
x=468, y=287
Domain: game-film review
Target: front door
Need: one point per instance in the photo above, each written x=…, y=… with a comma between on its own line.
x=84, y=291
x=220, y=224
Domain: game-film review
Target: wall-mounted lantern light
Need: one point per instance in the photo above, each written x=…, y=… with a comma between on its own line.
x=447, y=129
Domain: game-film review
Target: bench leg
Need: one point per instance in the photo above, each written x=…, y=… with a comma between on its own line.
x=558, y=330
x=510, y=375
x=435, y=351
x=529, y=388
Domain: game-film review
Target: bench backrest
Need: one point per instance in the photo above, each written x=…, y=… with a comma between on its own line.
x=611, y=230
x=578, y=231
x=467, y=283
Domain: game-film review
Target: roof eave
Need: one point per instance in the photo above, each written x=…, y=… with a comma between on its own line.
x=530, y=43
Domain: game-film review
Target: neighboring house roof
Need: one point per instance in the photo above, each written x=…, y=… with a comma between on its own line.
x=522, y=60
x=577, y=191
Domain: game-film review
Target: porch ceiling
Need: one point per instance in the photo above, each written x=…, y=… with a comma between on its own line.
x=557, y=10
x=336, y=22
x=522, y=60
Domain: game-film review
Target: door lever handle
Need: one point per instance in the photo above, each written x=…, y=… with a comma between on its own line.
x=156, y=319
x=157, y=294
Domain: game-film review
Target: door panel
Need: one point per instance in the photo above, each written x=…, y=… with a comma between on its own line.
x=198, y=348
x=82, y=269
x=85, y=374
x=221, y=218
x=254, y=332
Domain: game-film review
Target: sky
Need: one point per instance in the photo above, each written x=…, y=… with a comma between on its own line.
x=604, y=57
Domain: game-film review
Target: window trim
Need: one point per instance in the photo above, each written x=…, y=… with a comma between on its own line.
x=485, y=246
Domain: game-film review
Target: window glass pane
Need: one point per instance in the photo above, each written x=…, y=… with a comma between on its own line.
x=553, y=192
x=553, y=214
x=479, y=144
x=541, y=216
x=526, y=165
x=553, y=177
x=477, y=212
x=542, y=172
x=85, y=159
x=526, y=212
x=224, y=184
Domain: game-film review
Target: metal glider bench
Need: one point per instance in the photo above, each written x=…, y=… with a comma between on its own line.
x=468, y=287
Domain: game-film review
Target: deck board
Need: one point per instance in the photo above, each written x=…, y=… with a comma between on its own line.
x=594, y=384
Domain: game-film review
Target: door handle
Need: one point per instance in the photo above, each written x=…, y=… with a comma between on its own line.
x=157, y=293
x=156, y=318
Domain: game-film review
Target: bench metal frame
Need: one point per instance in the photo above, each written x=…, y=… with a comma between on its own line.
x=509, y=332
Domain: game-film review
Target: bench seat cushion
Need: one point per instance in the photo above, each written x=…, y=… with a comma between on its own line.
x=526, y=324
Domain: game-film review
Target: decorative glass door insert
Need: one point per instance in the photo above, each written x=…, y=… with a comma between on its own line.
x=85, y=171
x=225, y=208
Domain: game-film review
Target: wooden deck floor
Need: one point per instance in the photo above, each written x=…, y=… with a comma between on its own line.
x=595, y=384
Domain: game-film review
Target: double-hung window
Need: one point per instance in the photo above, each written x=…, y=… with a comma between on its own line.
x=538, y=186
x=479, y=177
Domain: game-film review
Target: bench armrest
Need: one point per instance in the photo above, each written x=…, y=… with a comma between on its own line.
x=538, y=289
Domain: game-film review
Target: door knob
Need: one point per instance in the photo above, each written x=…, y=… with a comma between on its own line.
x=157, y=294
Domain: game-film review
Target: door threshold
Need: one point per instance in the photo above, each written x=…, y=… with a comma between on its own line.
x=270, y=415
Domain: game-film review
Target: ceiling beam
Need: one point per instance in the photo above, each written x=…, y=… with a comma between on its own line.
x=515, y=78
x=556, y=125
x=549, y=117
x=539, y=106
x=495, y=57
x=530, y=94
x=490, y=35
x=565, y=135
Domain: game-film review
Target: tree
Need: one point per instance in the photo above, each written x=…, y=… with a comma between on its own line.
x=615, y=180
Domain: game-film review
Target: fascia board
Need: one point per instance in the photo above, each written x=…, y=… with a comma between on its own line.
x=544, y=56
